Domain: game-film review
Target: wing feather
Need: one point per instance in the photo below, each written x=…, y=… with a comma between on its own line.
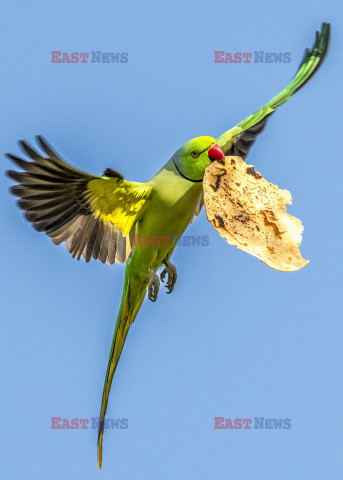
x=239, y=139
x=92, y=215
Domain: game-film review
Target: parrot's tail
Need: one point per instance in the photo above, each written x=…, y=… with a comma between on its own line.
x=133, y=296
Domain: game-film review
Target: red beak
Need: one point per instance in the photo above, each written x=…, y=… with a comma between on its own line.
x=215, y=153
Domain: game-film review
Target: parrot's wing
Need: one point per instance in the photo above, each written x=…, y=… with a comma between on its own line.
x=239, y=139
x=92, y=214
x=244, y=141
x=198, y=207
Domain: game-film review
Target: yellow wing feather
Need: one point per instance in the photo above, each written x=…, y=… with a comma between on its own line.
x=118, y=201
x=91, y=214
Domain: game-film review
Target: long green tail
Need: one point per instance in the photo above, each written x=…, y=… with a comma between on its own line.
x=309, y=65
x=133, y=296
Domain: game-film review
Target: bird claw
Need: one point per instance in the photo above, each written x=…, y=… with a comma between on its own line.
x=154, y=286
x=170, y=271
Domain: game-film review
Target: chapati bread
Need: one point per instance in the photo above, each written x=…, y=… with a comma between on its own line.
x=250, y=213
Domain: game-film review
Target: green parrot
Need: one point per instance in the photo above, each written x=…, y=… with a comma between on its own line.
x=102, y=217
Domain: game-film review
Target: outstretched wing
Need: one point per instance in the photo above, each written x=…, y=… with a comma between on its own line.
x=92, y=214
x=239, y=139
x=243, y=142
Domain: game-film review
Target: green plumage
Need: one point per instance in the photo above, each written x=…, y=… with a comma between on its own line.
x=309, y=65
x=98, y=217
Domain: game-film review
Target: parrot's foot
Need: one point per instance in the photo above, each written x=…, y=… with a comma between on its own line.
x=154, y=286
x=170, y=270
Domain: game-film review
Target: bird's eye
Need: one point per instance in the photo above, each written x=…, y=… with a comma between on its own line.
x=195, y=154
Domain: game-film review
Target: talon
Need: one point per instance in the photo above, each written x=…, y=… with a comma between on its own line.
x=163, y=274
x=170, y=271
x=154, y=286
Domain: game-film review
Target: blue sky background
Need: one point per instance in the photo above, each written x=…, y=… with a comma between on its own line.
x=235, y=339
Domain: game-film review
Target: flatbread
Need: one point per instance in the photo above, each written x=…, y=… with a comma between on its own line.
x=250, y=213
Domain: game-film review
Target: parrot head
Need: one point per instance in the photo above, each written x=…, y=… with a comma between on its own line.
x=192, y=159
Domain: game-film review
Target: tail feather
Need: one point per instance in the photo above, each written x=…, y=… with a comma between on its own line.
x=130, y=305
